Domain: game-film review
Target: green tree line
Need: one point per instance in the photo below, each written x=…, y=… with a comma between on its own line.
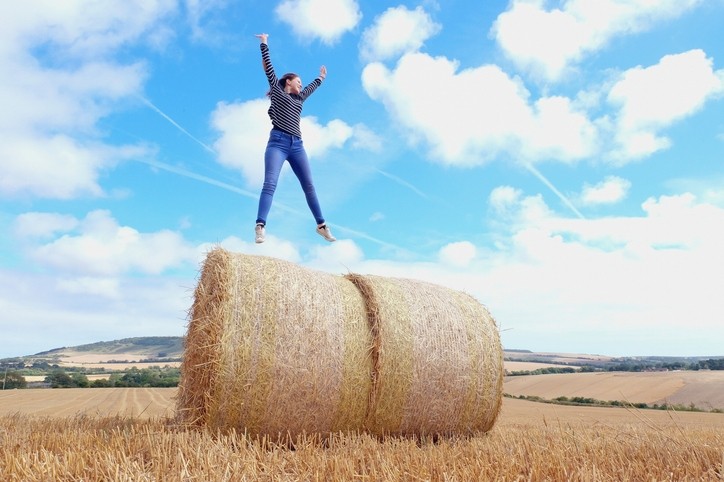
x=146, y=377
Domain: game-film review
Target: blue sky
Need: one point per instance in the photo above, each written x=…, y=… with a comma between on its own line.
x=563, y=162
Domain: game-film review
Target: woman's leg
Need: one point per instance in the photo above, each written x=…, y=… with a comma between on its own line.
x=274, y=157
x=299, y=163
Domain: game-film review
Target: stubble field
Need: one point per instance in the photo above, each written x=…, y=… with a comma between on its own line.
x=703, y=389
x=128, y=434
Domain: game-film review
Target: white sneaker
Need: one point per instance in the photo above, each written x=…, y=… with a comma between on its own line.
x=324, y=232
x=260, y=233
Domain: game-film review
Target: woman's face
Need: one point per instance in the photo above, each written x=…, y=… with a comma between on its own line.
x=294, y=85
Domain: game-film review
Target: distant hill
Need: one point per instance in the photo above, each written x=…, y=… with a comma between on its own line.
x=149, y=348
x=145, y=347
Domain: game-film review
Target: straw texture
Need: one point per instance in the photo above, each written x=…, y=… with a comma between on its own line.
x=438, y=360
x=275, y=349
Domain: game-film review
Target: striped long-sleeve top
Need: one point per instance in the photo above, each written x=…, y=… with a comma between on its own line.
x=285, y=110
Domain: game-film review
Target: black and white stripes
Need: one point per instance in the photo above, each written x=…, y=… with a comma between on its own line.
x=285, y=111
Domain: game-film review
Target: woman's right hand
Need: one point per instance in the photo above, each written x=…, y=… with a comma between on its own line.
x=262, y=37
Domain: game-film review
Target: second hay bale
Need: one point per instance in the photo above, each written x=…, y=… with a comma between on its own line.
x=437, y=362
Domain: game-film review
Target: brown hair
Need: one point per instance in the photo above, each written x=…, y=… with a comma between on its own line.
x=283, y=81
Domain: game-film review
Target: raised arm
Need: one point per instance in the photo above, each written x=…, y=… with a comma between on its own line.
x=266, y=59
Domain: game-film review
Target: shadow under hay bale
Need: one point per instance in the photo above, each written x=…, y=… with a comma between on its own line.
x=277, y=350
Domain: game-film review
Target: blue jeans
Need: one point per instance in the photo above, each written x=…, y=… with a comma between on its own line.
x=286, y=147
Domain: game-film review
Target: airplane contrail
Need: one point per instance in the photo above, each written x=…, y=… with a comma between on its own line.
x=550, y=185
x=199, y=177
x=230, y=187
x=174, y=123
x=403, y=182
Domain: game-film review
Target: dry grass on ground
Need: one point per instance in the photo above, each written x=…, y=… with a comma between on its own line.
x=531, y=441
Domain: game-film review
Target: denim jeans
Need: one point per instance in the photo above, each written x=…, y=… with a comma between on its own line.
x=286, y=147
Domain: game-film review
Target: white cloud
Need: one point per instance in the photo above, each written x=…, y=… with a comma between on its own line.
x=41, y=225
x=547, y=41
x=90, y=286
x=364, y=138
x=611, y=190
x=201, y=16
x=273, y=246
x=244, y=129
x=503, y=198
x=319, y=139
x=62, y=84
x=337, y=257
x=396, y=31
x=642, y=283
x=60, y=310
x=56, y=166
x=458, y=255
x=83, y=28
x=655, y=97
x=505, y=121
x=323, y=19
x=98, y=246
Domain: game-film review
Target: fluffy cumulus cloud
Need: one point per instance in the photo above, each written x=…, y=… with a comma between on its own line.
x=506, y=120
x=609, y=191
x=98, y=246
x=652, y=98
x=619, y=277
x=63, y=81
x=242, y=137
x=321, y=19
x=273, y=246
x=70, y=311
x=458, y=254
x=240, y=145
x=43, y=225
x=548, y=40
x=396, y=31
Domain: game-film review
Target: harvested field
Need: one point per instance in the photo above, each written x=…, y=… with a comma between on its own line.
x=530, y=441
x=100, y=402
x=146, y=403
x=118, y=366
x=704, y=389
x=111, y=361
x=514, y=366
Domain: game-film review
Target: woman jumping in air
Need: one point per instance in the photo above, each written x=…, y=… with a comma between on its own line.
x=285, y=141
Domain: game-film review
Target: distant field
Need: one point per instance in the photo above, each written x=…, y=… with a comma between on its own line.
x=519, y=366
x=102, y=402
x=704, y=389
x=144, y=403
x=558, y=358
x=101, y=360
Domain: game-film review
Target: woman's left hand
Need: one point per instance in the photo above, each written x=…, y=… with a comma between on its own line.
x=322, y=72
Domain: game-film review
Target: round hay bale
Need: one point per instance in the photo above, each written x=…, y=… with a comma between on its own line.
x=438, y=360
x=277, y=350
x=274, y=349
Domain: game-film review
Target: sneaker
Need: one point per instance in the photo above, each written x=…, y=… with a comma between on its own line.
x=260, y=233
x=324, y=232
